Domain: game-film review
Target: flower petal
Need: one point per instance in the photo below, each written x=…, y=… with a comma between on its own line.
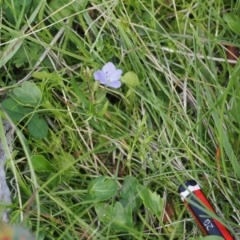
x=115, y=76
x=109, y=68
x=100, y=76
x=115, y=84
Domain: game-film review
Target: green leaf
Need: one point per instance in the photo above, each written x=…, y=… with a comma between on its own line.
x=42, y=75
x=41, y=164
x=15, y=111
x=61, y=7
x=104, y=212
x=232, y=21
x=199, y=238
x=104, y=108
x=235, y=106
x=80, y=5
x=28, y=94
x=52, y=77
x=130, y=79
x=213, y=238
x=207, y=238
x=65, y=162
x=16, y=42
x=116, y=216
x=20, y=57
x=130, y=194
x=121, y=216
x=12, y=11
x=55, y=181
x=27, y=2
x=151, y=200
x=31, y=53
x=101, y=189
x=37, y=127
x=99, y=43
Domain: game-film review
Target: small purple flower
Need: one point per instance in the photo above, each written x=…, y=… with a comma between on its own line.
x=109, y=75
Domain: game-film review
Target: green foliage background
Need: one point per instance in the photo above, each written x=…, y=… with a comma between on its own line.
x=178, y=105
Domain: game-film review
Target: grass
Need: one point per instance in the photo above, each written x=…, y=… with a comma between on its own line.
x=163, y=131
